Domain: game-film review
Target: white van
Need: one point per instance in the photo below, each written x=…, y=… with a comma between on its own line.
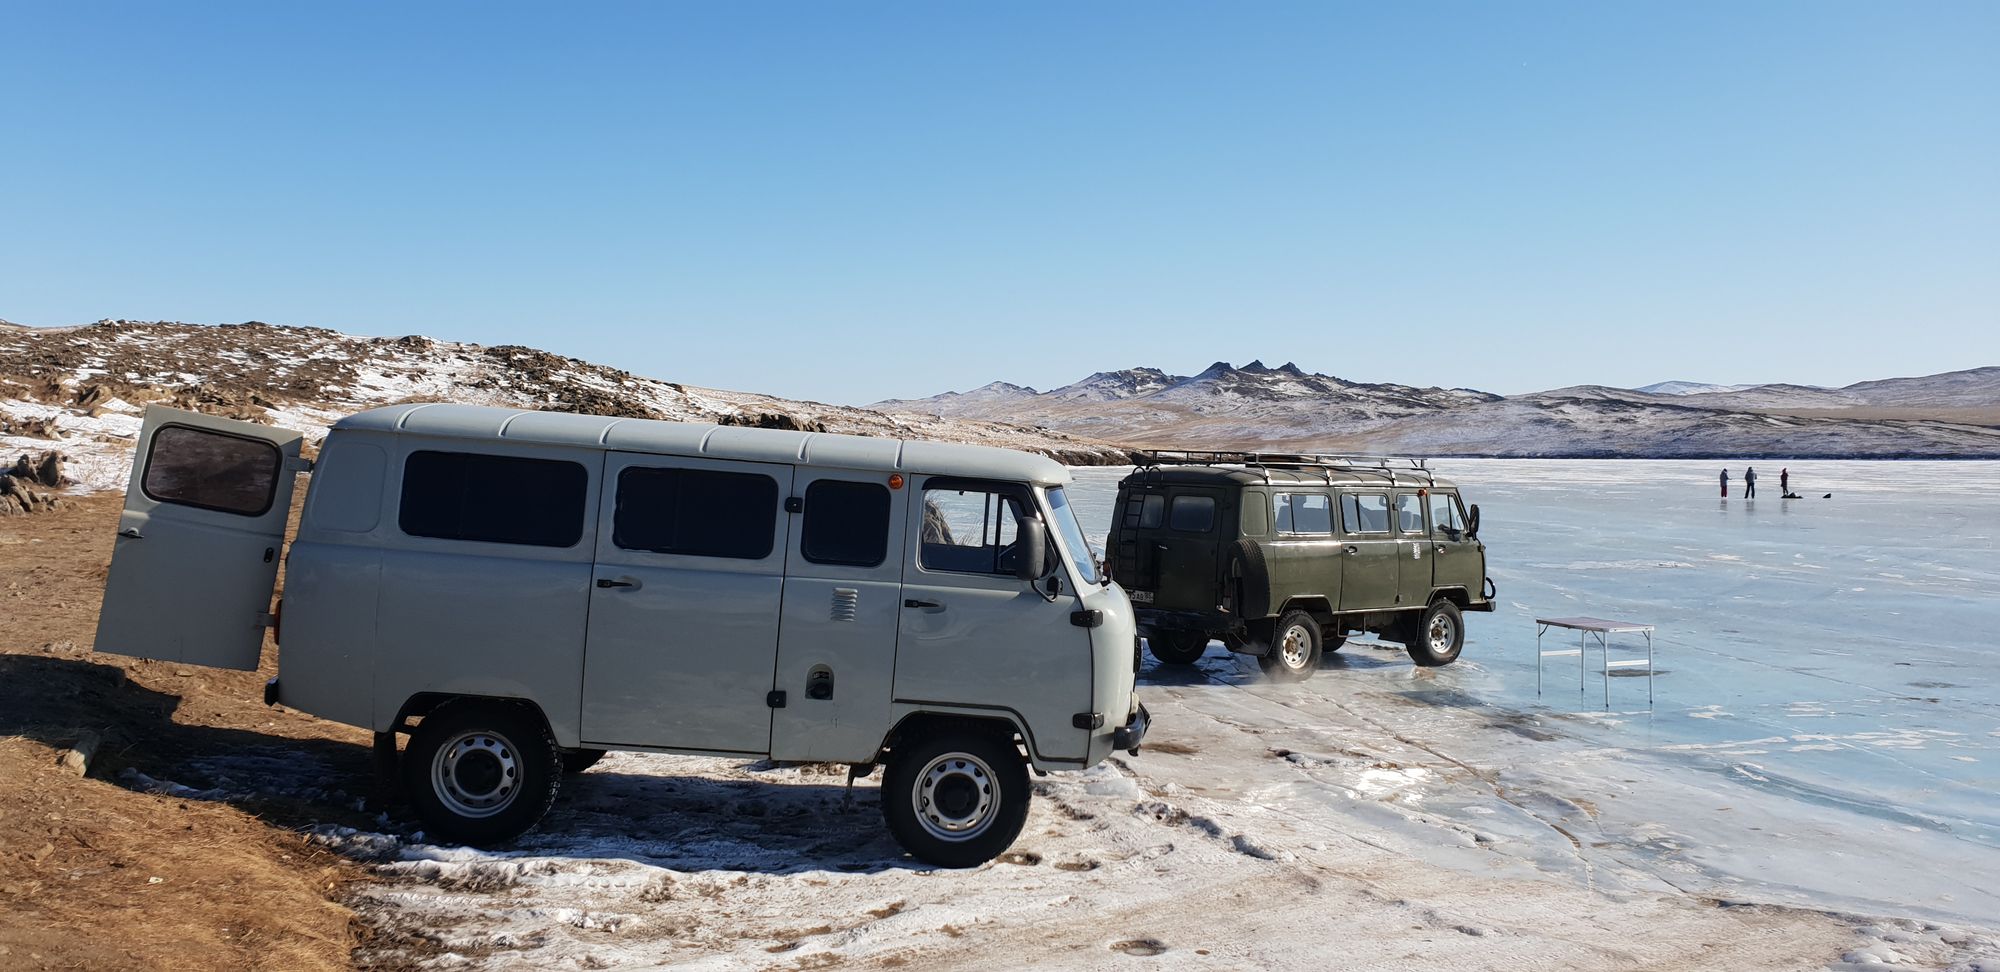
x=520, y=591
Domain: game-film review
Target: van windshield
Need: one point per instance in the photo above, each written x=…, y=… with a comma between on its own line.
x=1073, y=541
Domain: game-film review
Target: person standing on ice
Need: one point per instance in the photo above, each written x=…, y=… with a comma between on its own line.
x=1725, y=482
x=1784, y=480
x=1750, y=482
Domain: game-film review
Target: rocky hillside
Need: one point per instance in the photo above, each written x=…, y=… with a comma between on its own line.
x=1953, y=415
x=81, y=390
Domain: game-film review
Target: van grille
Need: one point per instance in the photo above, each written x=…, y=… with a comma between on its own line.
x=846, y=603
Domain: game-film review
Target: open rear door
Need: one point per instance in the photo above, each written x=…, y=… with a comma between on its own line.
x=199, y=541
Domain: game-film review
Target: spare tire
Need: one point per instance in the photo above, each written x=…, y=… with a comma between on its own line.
x=1252, y=579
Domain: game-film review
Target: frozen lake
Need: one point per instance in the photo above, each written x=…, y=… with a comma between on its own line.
x=1827, y=725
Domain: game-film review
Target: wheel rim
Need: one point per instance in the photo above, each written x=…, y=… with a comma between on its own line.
x=476, y=774
x=1442, y=633
x=954, y=797
x=1296, y=647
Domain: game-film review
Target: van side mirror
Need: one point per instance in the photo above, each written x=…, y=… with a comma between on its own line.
x=1472, y=523
x=1031, y=546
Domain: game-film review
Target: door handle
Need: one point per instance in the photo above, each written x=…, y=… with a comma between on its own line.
x=132, y=532
x=607, y=583
x=914, y=603
x=1353, y=549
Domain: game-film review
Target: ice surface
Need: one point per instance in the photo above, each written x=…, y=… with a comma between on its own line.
x=1828, y=717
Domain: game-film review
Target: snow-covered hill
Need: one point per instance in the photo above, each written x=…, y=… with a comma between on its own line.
x=1948, y=415
x=81, y=389
x=1223, y=404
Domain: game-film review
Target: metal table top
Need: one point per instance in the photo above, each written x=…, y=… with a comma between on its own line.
x=1600, y=625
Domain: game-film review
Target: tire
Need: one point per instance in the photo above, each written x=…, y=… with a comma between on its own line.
x=482, y=773
x=1295, y=648
x=1439, y=635
x=1177, y=647
x=578, y=760
x=1252, y=578
x=956, y=799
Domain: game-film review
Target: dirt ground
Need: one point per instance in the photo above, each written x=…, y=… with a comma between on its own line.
x=98, y=875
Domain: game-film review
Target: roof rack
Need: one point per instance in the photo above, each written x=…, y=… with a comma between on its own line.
x=1385, y=466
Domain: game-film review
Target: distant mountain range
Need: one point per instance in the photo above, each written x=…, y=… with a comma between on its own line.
x=1953, y=415
x=80, y=390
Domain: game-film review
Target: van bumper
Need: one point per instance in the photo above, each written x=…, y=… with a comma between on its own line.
x=1128, y=736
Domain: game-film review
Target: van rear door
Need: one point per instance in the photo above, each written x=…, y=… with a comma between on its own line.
x=199, y=542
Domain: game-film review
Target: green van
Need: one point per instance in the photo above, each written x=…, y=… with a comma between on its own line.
x=1283, y=556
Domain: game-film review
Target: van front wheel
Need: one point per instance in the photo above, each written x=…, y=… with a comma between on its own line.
x=1295, y=648
x=482, y=772
x=1177, y=647
x=1439, y=635
x=957, y=799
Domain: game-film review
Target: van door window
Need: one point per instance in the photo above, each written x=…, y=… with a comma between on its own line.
x=1152, y=509
x=211, y=471
x=493, y=499
x=695, y=512
x=1410, y=512
x=1444, y=515
x=1303, y=513
x=846, y=523
x=969, y=531
x=1364, y=512
x=1192, y=514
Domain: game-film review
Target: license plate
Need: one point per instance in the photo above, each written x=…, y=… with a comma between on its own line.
x=1140, y=597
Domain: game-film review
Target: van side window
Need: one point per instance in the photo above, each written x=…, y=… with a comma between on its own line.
x=493, y=499
x=1444, y=515
x=695, y=512
x=1410, y=512
x=1307, y=513
x=1192, y=514
x=211, y=471
x=846, y=523
x=1364, y=512
x=969, y=531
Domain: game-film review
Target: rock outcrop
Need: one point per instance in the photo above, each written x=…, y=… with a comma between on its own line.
x=25, y=487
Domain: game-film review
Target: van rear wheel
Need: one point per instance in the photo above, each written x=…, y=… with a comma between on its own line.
x=1438, y=637
x=956, y=799
x=1177, y=647
x=482, y=772
x=1295, y=648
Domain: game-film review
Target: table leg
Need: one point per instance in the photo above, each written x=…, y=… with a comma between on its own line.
x=1539, y=631
x=1649, y=669
x=1604, y=662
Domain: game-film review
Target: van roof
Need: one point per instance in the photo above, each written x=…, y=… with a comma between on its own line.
x=1231, y=476
x=481, y=422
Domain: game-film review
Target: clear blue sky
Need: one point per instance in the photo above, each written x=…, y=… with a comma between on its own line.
x=849, y=201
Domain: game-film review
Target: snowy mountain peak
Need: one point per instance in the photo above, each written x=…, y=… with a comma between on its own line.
x=1688, y=388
